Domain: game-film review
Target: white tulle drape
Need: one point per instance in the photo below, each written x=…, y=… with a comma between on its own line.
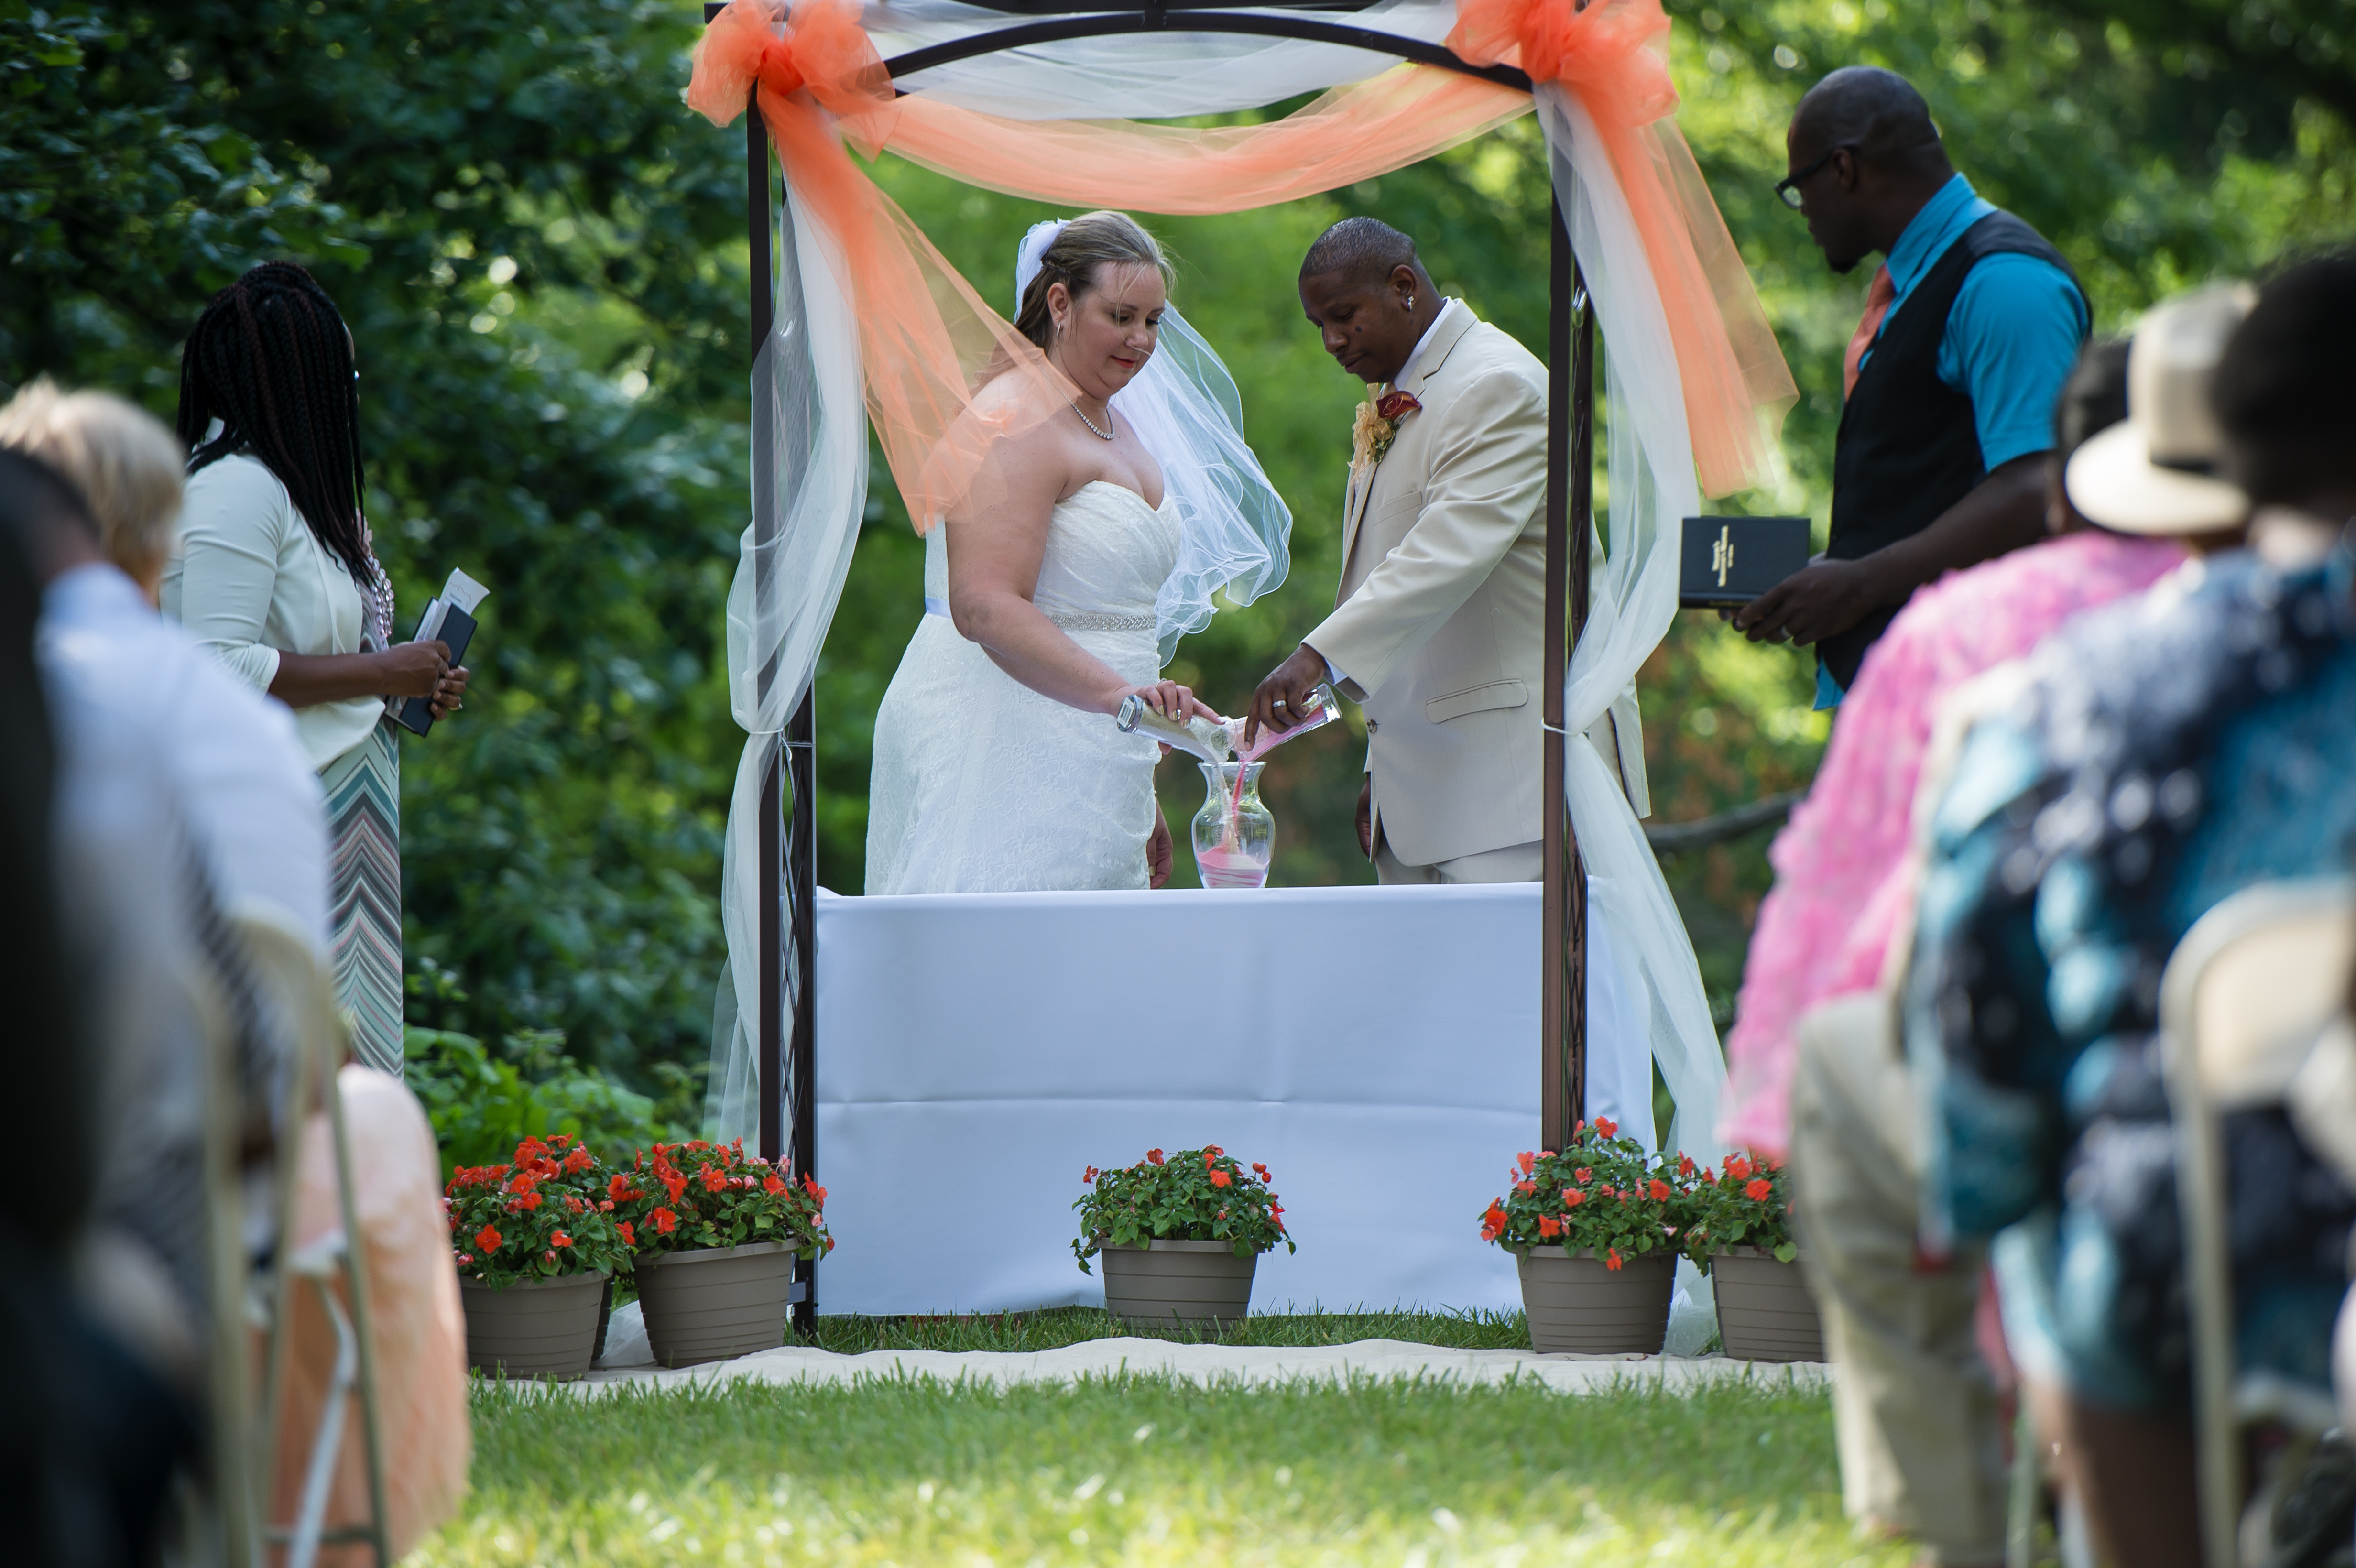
x=1150, y=76
x=808, y=391
x=1650, y=467
x=1649, y=464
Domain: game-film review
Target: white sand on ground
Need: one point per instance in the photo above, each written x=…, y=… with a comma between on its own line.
x=1244, y=1365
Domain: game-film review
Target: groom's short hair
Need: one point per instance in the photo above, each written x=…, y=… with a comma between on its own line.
x=1363, y=250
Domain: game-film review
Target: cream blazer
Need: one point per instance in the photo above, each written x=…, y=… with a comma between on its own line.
x=250, y=579
x=1439, y=623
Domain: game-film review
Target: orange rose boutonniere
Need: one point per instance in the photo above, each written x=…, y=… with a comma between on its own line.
x=1377, y=427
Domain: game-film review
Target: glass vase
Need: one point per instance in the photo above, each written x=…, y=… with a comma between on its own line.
x=1234, y=834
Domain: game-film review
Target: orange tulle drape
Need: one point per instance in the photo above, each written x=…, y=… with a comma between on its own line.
x=926, y=340
x=930, y=342
x=1613, y=57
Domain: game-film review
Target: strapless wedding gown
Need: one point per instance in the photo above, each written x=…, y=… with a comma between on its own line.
x=980, y=784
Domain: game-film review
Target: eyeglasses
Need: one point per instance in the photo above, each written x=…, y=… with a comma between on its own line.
x=1788, y=188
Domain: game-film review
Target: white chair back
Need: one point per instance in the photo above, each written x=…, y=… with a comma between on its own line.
x=2243, y=1000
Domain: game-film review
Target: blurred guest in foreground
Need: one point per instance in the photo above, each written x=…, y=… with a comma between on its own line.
x=54, y=1489
x=1970, y=327
x=250, y=802
x=2156, y=757
x=280, y=578
x=1916, y=1410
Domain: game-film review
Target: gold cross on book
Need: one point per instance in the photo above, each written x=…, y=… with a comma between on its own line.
x=1721, y=555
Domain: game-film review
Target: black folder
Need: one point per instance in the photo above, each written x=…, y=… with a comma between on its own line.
x=1728, y=561
x=457, y=629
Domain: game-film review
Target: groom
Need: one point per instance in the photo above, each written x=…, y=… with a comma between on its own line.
x=1437, y=626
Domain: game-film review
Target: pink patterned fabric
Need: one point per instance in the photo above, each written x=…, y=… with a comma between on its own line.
x=1839, y=882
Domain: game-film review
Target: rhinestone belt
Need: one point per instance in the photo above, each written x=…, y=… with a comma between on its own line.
x=1099, y=621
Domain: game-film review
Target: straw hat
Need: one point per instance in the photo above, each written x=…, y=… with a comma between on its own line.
x=2156, y=472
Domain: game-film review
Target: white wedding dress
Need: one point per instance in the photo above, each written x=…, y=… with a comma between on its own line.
x=980, y=784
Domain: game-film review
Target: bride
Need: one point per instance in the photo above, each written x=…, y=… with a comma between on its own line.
x=1096, y=538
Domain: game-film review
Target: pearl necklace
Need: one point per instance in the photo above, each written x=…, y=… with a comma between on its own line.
x=1106, y=434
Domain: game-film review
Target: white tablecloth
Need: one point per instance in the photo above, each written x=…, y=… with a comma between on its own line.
x=1377, y=1048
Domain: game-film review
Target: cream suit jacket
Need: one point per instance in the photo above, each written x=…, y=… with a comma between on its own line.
x=1439, y=623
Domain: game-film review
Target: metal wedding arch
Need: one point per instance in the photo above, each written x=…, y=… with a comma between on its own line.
x=780, y=759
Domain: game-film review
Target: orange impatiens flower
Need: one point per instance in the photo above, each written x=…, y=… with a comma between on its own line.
x=1527, y=1160
x=714, y=1179
x=1607, y=1126
x=1658, y=1190
x=1572, y=1197
x=1738, y=1168
x=1153, y=1157
x=665, y=1221
x=579, y=1160
x=629, y=1233
x=1759, y=1190
x=1493, y=1223
x=772, y=1185
x=1220, y=1178
x=560, y=1238
x=1584, y=1173
x=1611, y=1259
x=1549, y=1226
x=488, y=1239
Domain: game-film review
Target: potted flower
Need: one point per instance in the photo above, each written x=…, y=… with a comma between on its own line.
x=1741, y=1236
x=718, y=1231
x=1594, y=1229
x=1179, y=1236
x=536, y=1241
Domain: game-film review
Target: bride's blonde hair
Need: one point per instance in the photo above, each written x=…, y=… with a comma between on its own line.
x=1089, y=241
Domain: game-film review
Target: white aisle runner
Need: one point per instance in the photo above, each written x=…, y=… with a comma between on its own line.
x=1377, y=1048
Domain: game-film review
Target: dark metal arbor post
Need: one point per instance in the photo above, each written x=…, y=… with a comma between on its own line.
x=788, y=869
x=789, y=872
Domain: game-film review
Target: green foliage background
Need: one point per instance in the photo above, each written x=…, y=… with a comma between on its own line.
x=541, y=253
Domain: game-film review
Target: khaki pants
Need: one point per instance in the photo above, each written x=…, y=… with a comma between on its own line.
x=1514, y=863
x=1912, y=1403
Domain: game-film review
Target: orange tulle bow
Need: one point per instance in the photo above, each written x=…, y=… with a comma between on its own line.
x=1612, y=53
x=1612, y=56
x=820, y=48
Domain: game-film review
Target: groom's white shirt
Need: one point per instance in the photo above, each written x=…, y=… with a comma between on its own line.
x=1439, y=625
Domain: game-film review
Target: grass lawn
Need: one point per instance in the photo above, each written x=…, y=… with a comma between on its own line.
x=1148, y=1471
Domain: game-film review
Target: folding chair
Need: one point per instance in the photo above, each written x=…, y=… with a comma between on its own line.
x=298, y=998
x=2241, y=1001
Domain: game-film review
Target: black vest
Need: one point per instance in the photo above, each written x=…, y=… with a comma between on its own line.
x=1908, y=447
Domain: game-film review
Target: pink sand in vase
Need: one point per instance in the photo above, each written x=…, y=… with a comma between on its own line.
x=1221, y=868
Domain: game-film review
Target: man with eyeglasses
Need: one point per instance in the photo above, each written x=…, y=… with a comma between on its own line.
x=1971, y=326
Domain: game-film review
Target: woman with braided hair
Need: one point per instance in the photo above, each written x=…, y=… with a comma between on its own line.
x=278, y=576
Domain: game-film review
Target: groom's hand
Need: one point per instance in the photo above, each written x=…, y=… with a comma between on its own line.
x=1282, y=699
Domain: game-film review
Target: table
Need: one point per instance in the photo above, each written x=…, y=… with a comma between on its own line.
x=1377, y=1048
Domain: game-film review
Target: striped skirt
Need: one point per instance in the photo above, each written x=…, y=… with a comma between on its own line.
x=363, y=788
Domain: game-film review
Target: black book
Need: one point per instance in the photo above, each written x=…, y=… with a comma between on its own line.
x=1728, y=561
x=450, y=618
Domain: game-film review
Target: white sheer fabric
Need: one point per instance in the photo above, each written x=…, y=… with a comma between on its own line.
x=1652, y=481
x=808, y=390
x=1183, y=405
x=1150, y=76
x=1651, y=487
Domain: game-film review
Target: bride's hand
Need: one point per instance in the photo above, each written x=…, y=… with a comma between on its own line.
x=1171, y=700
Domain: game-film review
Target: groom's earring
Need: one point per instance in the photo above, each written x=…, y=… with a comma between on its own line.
x=1411, y=301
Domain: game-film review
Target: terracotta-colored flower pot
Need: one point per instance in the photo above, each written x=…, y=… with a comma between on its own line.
x=1764, y=1310
x=533, y=1329
x=1165, y=1284
x=715, y=1303
x=1579, y=1304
